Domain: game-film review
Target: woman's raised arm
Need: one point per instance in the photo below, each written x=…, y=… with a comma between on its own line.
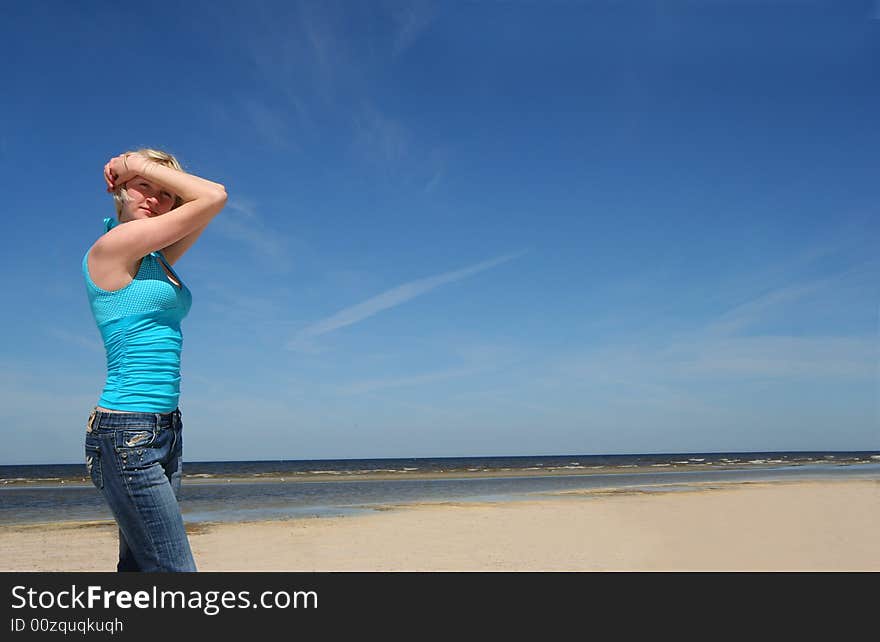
x=202, y=201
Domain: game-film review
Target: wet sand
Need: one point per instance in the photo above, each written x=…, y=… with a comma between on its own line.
x=714, y=526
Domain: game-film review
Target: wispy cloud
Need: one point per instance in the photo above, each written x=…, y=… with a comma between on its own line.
x=410, y=20
x=247, y=226
x=389, y=299
x=432, y=184
x=379, y=137
x=317, y=77
x=296, y=55
x=752, y=311
x=758, y=307
x=270, y=123
x=318, y=34
x=708, y=377
x=437, y=162
x=780, y=357
x=326, y=48
x=707, y=355
x=717, y=363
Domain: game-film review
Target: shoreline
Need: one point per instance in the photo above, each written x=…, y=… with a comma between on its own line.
x=655, y=489
x=821, y=525
x=198, y=479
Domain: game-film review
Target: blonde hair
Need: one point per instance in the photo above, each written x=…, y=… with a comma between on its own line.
x=156, y=155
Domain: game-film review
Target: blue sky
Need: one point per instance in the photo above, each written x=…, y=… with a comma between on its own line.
x=462, y=228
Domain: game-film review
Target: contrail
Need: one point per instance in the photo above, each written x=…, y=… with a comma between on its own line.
x=391, y=298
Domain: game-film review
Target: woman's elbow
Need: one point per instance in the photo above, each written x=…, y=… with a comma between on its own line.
x=219, y=194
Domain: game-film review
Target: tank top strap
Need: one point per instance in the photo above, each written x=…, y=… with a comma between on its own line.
x=161, y=257
x=110, y=223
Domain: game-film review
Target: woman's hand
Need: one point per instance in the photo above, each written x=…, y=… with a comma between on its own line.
x=121, y=169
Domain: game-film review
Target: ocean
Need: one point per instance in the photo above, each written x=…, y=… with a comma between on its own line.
x=292, y=489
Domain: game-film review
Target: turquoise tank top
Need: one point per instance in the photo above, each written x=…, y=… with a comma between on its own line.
x=140, y=326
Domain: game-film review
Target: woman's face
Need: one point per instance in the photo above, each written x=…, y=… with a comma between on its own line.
x=145, y=200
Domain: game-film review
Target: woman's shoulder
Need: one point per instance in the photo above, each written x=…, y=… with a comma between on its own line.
x=106, y=273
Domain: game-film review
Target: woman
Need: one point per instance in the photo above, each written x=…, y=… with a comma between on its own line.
x=133, y=436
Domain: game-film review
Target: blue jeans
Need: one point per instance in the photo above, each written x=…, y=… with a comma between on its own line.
x=135, y=460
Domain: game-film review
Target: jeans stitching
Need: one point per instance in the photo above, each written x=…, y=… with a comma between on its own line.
x=140, y=518
x=93, y=460
x=149, y=547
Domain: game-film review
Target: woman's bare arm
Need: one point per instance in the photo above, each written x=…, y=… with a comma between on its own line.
x=173, y=252
x=202, y=201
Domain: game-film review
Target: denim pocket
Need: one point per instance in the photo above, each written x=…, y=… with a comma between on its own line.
x=139, y=447
x=135, y=437
x=93, y=464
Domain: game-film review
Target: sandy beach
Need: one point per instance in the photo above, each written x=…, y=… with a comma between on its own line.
x=735, y=526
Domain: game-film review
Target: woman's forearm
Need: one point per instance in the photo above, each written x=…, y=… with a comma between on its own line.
x=187, y=186
x=177, y=249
